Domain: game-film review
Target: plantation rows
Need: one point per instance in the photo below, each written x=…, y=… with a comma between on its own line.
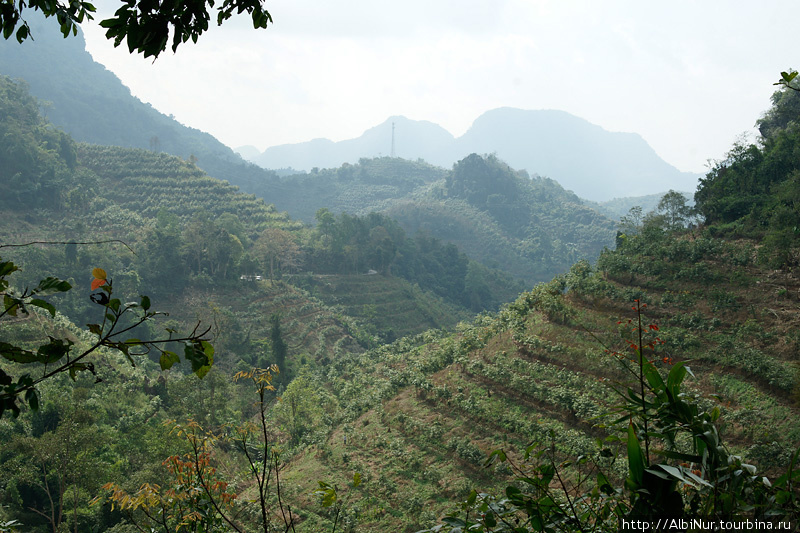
x=146, y=182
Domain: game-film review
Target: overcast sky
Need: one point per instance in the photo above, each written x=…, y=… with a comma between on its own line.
x=689, y=76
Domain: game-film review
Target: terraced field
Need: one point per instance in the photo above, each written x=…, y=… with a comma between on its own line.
x=392, y=305
x=421, y=415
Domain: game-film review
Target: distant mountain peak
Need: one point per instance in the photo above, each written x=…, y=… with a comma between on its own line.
x=583, y=157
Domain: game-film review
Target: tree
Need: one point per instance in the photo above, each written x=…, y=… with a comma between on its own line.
x=54, y=463
x=277, y=248
x=145, y=26
x=673, y=206
x=210, y=246
x=35, y=160
x=199, y=498
x=631, y=223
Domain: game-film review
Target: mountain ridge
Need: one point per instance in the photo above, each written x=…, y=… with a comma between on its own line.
x=583, y=157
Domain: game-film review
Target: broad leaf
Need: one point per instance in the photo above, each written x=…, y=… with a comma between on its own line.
x=44, y=305
x=636, y=462
x=168, y=359
x=54, y=350
x=11, y=304
x=17, y=354
x=7, y=267
x=52, y=285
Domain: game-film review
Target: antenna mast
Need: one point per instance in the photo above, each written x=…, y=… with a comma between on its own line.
x=392, y=139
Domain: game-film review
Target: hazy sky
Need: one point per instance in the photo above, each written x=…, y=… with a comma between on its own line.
x=689, y=76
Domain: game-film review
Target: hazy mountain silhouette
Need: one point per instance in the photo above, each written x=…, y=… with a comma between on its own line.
x=592, y=162
x=413, y=139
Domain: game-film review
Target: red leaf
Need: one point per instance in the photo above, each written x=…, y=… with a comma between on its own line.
x=97, y=283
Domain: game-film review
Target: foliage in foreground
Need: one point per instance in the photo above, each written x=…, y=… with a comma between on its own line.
x=57, y=356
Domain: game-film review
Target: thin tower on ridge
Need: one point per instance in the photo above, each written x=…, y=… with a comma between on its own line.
x=393, y=139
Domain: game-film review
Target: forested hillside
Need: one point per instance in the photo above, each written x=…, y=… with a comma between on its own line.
x=188, y=228
x=527, y=226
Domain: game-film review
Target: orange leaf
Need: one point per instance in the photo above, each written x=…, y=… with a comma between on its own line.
x=97, y=282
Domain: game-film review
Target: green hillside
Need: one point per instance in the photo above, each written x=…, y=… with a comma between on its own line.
x=91, y=104
x=392, y=306
x=529, y=227
x=661, y=380
x=182, y=229
x=147, y=182
x=432, y=407
x=371, y=185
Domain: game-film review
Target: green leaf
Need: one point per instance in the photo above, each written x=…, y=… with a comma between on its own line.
x=653, y=377
x=168, y=359
x=53, y=350
x=17, y=354
x=356, y=479
x=32, y=398
x=44, y=305
x=672, y=471
x=74, y=369
x=676, y=376
x=636, y=463
x=328, y=496
x=496, y=454
x=201, y=362
x=22, y=33
x=603, y=484
x=6, y=268
x=145, y=303
x=52, y=285
x=11, y=304
x=689, y=458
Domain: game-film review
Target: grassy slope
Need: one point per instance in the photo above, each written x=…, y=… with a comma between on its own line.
x=421, y=414
x=390, y=304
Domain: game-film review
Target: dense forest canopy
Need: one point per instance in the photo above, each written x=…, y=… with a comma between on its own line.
x=527, y=226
